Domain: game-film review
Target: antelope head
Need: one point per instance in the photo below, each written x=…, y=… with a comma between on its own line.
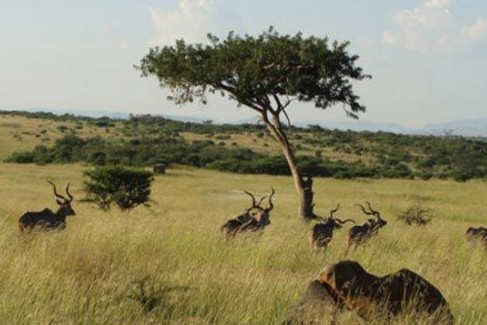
x=63, y=202
x=376, y=223
x=337, y=223
x=259, y=213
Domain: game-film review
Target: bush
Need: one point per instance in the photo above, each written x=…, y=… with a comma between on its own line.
x=62, y=128
x=461, y=175
x=126, y=187
x=416, y=215
x=41, y=155
x=223, y=137
x=97, y=158
x=24, y=157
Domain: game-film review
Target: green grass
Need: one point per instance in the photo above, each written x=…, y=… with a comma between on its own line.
x=85, y=274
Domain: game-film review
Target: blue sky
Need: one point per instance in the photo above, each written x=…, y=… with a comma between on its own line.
x=427, y=57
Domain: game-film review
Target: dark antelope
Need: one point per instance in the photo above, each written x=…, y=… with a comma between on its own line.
x=252, y=219
x=401, y=292
x=322, y=232
x=363, y=232
x=480, y=232
x=46, y=219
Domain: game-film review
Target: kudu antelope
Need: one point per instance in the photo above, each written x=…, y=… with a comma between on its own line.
x=252, y=219
x=322, y=232
x=479, y=233
x=46, y=219
x=401, y=292
x=363, y=232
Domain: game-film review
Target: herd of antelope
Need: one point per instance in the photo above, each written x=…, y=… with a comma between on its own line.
x=344, y=285
x=257, y=218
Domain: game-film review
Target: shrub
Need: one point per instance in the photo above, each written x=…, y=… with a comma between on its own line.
x=24, y=157
x=416, y=215
x=461, y=175
x=426, y=175
x=62, y=128
x=41, y=155
x=126, y=187
x=223, y=137
x=97, y=158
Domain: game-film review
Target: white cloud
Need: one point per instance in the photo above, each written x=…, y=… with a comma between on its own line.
x=437, y=3
x=419, y=28
x=477, y=30
x=192, y=21
x=389, y=37
x=431, y=26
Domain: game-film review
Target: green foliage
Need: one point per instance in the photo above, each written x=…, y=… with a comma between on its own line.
x=252, y=69
x=21, y=157
x=41, y=155
x=126, y=187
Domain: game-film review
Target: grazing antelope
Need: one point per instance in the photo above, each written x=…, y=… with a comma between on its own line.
x=363, y=232
x=400, y=292
x=46, y=219
x=252, y=219
x=322, y=232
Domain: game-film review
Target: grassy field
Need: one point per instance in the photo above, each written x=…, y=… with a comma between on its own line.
x=88, y=273
x=18, y=133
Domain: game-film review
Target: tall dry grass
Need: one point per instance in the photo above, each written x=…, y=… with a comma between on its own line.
x=91, y=273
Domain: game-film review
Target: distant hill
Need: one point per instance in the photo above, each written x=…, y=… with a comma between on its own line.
x=466, y=128
x=87, y=113
x=361, y=125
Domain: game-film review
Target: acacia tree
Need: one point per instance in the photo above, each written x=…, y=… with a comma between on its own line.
x=265, y=73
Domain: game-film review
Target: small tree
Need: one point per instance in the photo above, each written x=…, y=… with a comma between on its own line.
x=416, y=215
x=265, y=73
x=126, y=187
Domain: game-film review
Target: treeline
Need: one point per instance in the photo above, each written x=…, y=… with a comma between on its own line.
x=175, y=150
x=416, y=156
x=153, y=139
x=208, y=154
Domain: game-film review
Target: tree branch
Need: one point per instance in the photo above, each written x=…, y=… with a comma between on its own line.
x=287, y=118
x=282, y=108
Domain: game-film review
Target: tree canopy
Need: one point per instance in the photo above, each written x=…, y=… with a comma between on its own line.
x=267, y=72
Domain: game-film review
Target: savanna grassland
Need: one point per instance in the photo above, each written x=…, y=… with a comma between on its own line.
x=90, y=273
x=94, y=271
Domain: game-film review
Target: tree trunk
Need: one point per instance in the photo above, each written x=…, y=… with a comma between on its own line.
x=304, y=187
